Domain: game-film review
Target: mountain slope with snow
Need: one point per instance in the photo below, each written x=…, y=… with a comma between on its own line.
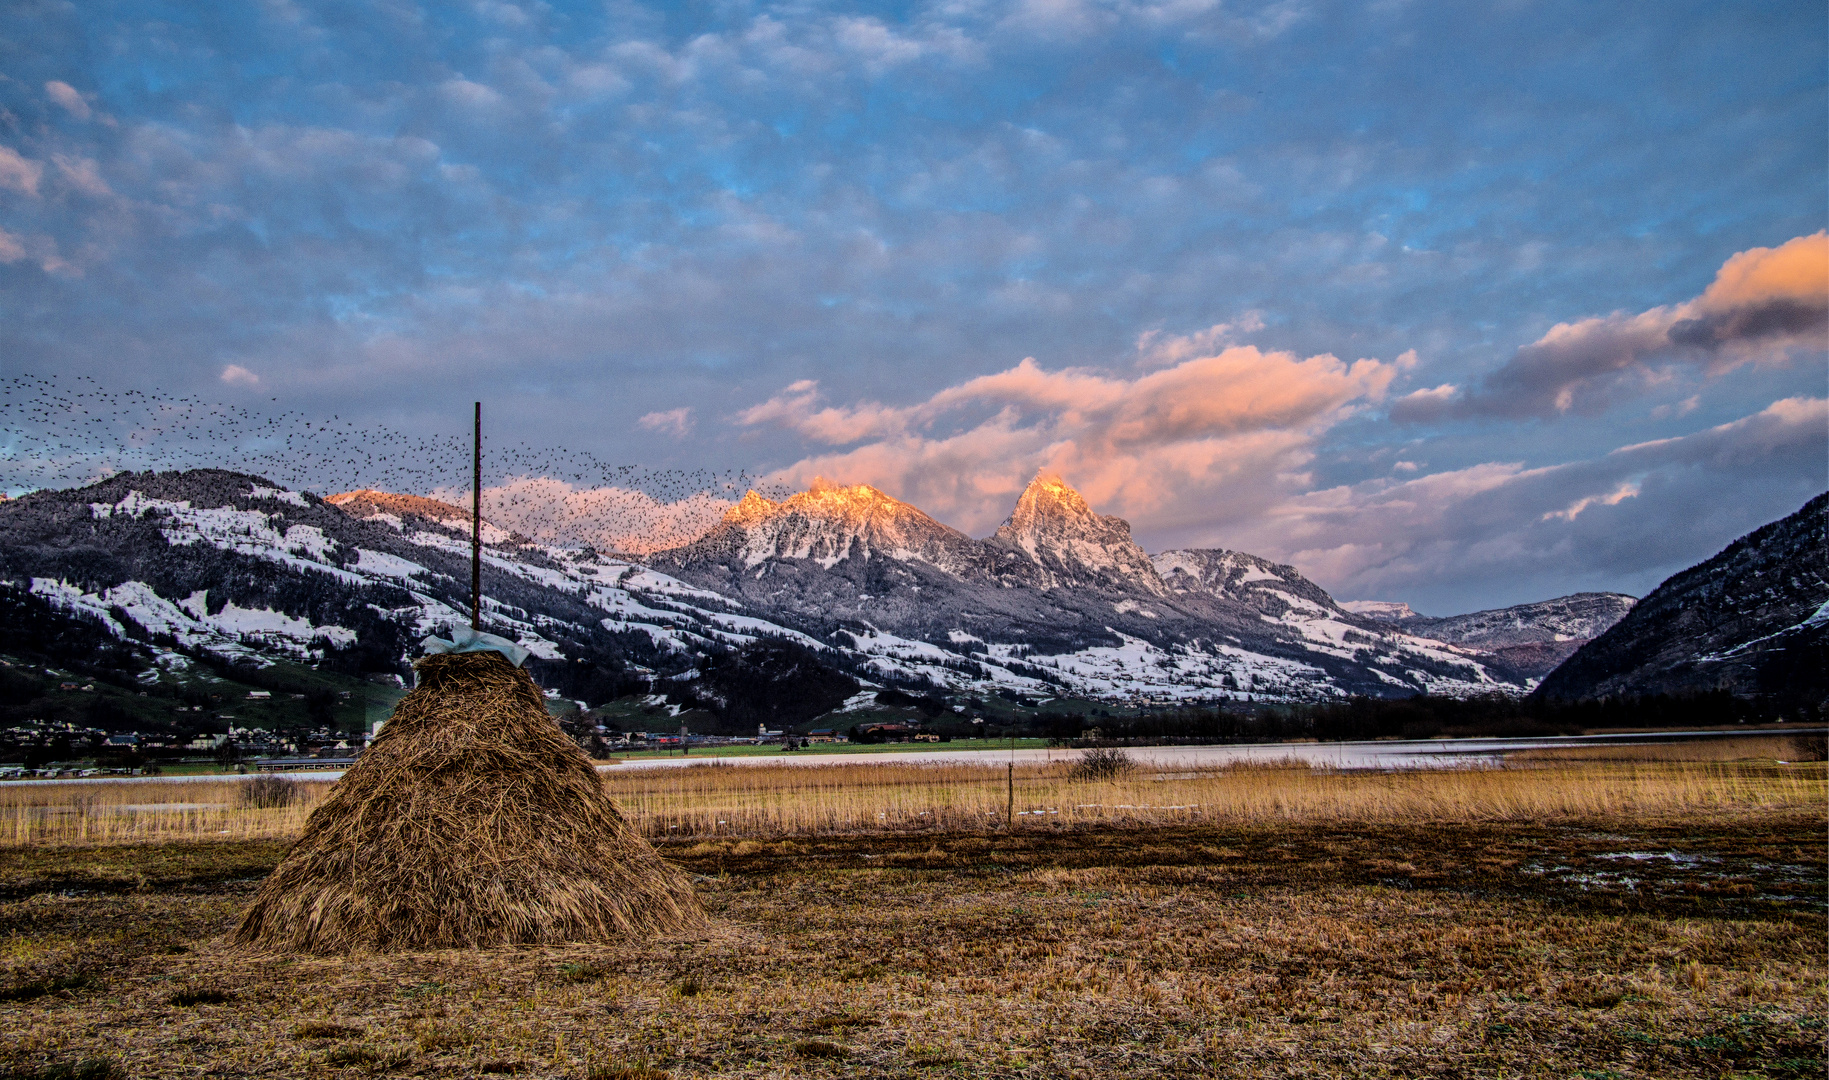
x=1062, y=601
x=1531, y=638
x=1064, y=594
x=1073, y=546
x=1754, y=620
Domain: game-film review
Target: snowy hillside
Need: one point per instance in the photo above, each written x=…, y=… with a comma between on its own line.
x=1531, y=638
x=1060, y=602
x=1754, y=620
x=1060, y=594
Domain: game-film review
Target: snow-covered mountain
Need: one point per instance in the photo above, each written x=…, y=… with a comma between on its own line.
x=1073, y=546
x=1753, y=620
x=1531, y=638
x=1382, y=610
x=1275, y=589
x=1060, y=601
x=1059, y=594
x=233, y=565
x=828, y=524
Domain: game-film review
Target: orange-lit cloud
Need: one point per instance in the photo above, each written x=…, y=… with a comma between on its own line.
x=1798, y=270
x=1133, y=445
x=1764, y=304
x=1388, y=536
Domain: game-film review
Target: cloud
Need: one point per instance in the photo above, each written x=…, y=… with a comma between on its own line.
x=1238, y=416
x=1763, y=303
x=236, y=375
x=472, y=95
x=65, y=94
x=19, y=173
x=881, y=47
x=797, y=408
x=675, y=422
x=607, y=518
x=83, y=175
x=39, y=248
x=1625, y=519
x=1626, y=490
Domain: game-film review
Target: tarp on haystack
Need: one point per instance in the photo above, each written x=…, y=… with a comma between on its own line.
x=471, y=821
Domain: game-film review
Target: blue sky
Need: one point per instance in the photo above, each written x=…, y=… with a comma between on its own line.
x=810, y=239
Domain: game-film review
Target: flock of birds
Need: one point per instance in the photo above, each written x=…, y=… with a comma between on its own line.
x=62, y=432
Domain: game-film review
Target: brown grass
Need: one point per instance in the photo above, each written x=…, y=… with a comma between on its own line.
x=137, y=813
x=762, y=801
x=1750, y=749
x=471, y=821
x=1274, y=949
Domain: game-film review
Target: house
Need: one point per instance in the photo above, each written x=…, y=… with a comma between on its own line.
x=885, y=732
x=822, y=735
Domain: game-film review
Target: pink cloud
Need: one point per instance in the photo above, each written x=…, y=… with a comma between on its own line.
x=83, y=175
x=608, y=518
x=675, y=422
x=1162, y=444
x=1764, y=304
x=65, y=94
x=19, y=173
x=798, y=409
x=1388, y=536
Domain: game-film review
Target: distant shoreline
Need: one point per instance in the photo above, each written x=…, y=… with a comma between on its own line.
x=1372, y=754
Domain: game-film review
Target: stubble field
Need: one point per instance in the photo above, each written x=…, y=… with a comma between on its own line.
x=1298, y=938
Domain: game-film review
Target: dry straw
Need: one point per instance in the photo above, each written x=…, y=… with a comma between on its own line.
x=471, y=821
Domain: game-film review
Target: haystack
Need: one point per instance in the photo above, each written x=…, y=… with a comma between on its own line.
x=471, y=821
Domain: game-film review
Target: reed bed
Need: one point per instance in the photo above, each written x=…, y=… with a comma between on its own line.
x=1749, y=749
x=784, y=800
x=118, y=813
x=758, y=801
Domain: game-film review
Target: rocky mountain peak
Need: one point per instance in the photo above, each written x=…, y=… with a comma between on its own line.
x=1753, y=620
x=750, y=508
x=410, y=512
x=1381, y=610
x=1273, y=588
x=857, y=503
x=826, y=523
x=1055, y=526
x=1048, y=497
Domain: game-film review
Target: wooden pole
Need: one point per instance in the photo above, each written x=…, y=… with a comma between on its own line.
x=1009, y=811
x=476, y=526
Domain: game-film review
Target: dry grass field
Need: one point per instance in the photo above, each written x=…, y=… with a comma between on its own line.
x=722, y=800
x=1597, y=919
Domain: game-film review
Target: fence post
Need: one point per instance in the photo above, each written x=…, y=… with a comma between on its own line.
x=1009, y=809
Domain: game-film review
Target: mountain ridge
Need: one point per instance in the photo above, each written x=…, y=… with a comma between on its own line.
x=1064, y=602
x=1058, y=578
x=1752, y=619
x=1533, y=638
x=1075, y=546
